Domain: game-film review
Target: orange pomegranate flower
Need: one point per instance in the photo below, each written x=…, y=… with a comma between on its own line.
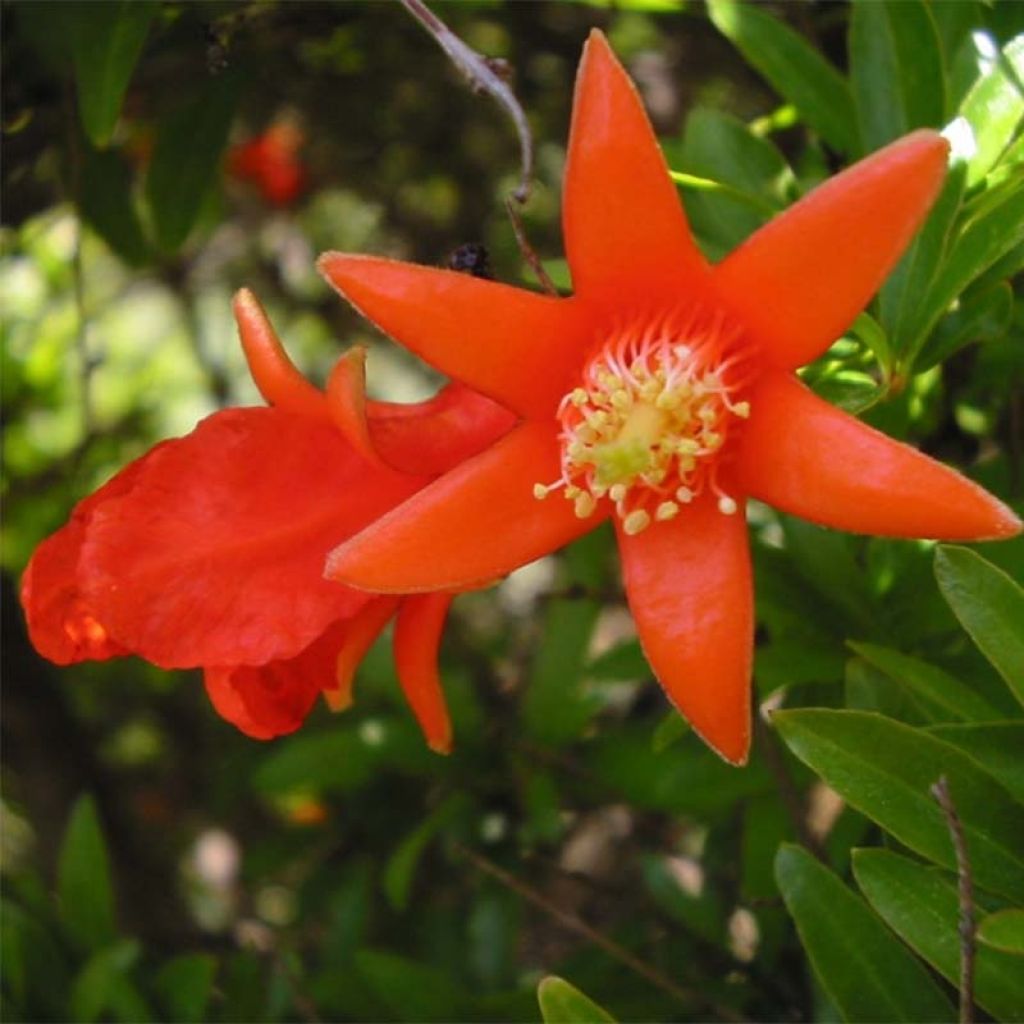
x=208, y=551
x=662, y=395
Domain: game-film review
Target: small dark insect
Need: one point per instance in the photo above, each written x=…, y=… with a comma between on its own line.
x=471, y=258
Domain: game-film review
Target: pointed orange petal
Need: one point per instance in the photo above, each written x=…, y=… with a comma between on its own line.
x=806, y=457
x=689, y=588
x=417, y=639
x=800, y=281
x=357, y=637
x=472, y=526
x=276, y=376
x=346, y=402
x=624, y=224
x=520, y=348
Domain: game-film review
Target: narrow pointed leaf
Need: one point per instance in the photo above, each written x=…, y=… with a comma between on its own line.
x=185, y=985
x=865, y=969
x=996, y=746
x=562, y=1003
x=83, y=879
x=105, y=43
x=885, y=770
x=989, y=605
x=794, y=68
x=920, y=904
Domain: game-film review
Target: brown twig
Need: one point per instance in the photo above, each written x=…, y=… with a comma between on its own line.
x=581, y=928
x=965, y=892
x=527, y=250
x=483, y=75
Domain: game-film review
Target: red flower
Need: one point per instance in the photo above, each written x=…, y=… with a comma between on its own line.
x=209, y=550
x=271, y=162
x=662, y=395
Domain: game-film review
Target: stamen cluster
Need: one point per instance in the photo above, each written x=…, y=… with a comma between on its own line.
x=647, y=426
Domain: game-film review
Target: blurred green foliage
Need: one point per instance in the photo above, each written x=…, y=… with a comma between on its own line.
x=159, y=866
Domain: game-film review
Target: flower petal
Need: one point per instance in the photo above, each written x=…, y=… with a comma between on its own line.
x=472, y=526
x=346, y=400
x=808, y=458
x=800, y=281
x=624, y=224
x=689, y=588
x=418, y=631
x=276, y=376
x=432, y=437
x=358, y=636
x=215, y=554
x=520, y=348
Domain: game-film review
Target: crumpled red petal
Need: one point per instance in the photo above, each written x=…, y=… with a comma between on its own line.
x=214, y=555
x=418, y=630
x=800, y=281
x=690, y=590
x=472, y=526
x=815, y=461
x=489, y=335
x=623, y=222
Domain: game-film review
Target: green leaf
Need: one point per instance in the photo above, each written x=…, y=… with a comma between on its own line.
x=186, y=158
x=936, y=689
x=562, y=1003
x=979, y=317
x=413, y=991
x=623, y=661
x=866, y=971
x=184, y=985
x=795, y=69
x=885, y=770
x=996, y=746
x=83, y=880
x=920, y=904
x=671, y=728
x=895, y=69
x=94, y=989
x=753, y=176
x=335, y=761
x=1003, y=930
x=994, y=108
x=556, y=709
x=989, y=605
x=106, y=41
x=105, y=199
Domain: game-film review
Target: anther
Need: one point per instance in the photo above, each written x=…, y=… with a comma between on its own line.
x=742, y=409
x=665, y=511
x=726, y=505
x=617, y=492
x=584, y=505
x=579, y=397
x=636, y=521
x=684, y=494
x=540, y=492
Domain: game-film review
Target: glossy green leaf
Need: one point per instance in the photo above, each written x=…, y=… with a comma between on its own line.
x=83, y=880
x=556, y=709
x=94, y=989
x=989, y=605
x=794, y=68
x=935, y=688
x=885, y=769
x=920, y=904
x=1003, y=930
x=979, y=317
x=185, y=984
x=562, y=1003
x=106, y=41
x=866, y=970
x=994, y=108
x=186, y=158
x=721, y=148
x=996, y=746
x=895, y=69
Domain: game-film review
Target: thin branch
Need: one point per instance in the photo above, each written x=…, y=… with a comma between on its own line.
x=527, y=250
x=581, y=928
x=484, y=75
x=965, y=892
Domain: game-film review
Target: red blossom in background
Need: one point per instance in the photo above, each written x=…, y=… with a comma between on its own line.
x=208, y=551
x=662, y=395
x=272, y=163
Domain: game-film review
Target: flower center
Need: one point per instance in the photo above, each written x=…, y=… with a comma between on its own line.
x=647, y=426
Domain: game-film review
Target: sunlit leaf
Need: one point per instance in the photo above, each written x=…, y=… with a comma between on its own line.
x=562, y=1003
x=980, y=317
x=885, y=769
x=920, y=904
x=989, y=605
x=865, y=969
